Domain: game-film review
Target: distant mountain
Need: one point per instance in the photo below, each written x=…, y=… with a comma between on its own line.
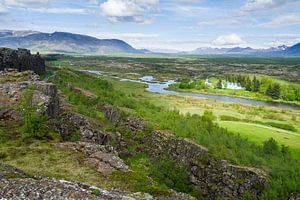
x=63, y=42
x=216, y=51
x=280, y=50
x=293, y=50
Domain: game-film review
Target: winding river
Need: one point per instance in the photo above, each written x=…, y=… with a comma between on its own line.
x=160, y=87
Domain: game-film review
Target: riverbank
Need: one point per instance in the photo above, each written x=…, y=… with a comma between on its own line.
x=260, y=97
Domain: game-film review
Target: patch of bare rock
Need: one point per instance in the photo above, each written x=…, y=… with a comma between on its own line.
x=103, y=158
x=15, y=185
x=44, y=96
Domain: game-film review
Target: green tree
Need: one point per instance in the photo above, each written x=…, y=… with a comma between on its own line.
x=248, y=84
x=255, y=84
x=274, y=91
x=220, y=85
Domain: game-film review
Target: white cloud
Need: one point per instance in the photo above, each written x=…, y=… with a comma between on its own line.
x=42, y=6
x=138, y=11
x=25, y=3
x=93, y=1
x=226, y=40
x=285, y=20
x=189, y=1
x=62, y=10
x=223, y=22
x=2, y=8
x=255, y=5
x=261, y=5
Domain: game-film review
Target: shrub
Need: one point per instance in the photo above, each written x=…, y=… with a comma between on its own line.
x=208, y=116
x=285, y=151
x=34, y=125
x=96, y=192
x=167, y=172
x=34, y=119
x=229, y=118
x=3, y=155
x=271, y=147
x=282, y=126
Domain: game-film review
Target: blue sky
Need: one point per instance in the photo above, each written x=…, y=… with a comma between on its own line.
x=162, y=24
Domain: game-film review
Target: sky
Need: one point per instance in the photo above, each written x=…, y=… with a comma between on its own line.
x=180, y=25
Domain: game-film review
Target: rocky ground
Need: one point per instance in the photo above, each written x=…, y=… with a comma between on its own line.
x=15, y=184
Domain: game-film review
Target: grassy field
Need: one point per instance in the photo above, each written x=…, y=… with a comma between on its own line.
x=260, y=134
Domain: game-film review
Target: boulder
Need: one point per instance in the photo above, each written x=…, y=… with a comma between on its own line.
x=294, y=196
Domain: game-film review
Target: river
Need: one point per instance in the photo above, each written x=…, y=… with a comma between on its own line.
x=160, y=87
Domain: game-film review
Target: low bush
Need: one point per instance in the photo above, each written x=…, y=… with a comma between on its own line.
x=167, y=172
x=282, y=126
x=229, y=118
x=35, y=121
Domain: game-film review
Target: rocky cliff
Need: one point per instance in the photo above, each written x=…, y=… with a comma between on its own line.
x=21, y=60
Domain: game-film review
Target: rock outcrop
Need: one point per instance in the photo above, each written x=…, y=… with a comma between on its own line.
x=71, y=122
x=14, y=184
x=101, y=157
x=44, y=96
x=215, y=178
x=21, y=60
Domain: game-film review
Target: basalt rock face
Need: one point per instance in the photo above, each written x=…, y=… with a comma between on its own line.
x=21, y=60
x=217, y=179
x=71, y=122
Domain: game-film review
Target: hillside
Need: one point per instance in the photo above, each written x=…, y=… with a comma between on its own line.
x=63, y=42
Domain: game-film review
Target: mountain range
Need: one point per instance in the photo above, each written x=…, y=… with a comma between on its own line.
x=280, y=50
x=63, y=42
